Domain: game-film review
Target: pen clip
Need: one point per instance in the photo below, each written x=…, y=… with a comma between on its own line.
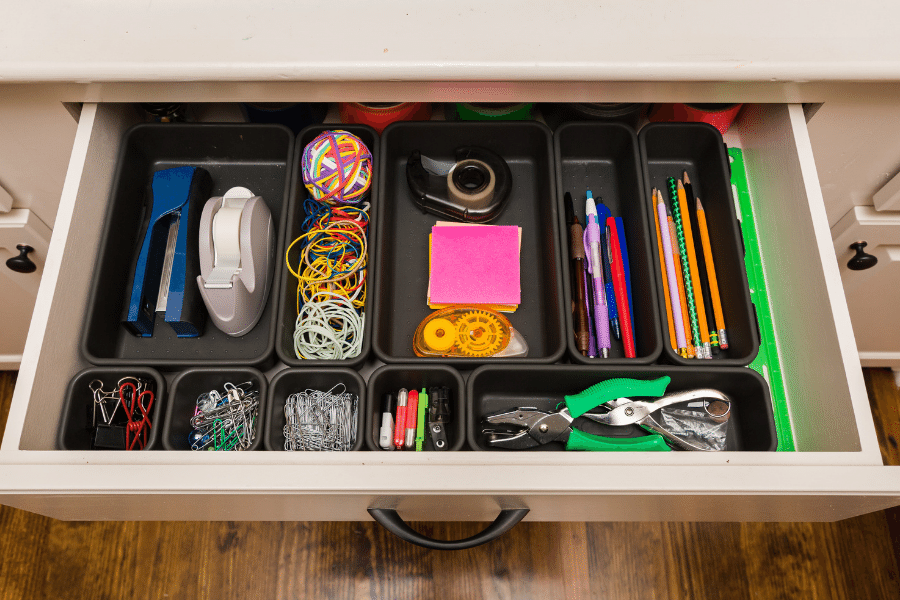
x=587, y=252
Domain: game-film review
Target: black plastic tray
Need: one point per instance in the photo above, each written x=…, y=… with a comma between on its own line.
x=493, y=389
x=257, y=157
x=287, y=291
x=290, y=381
x=189, y=384
x=401, y=258
x=390, y=378
x=604, y=158
x=75, y=421
x=667, y=149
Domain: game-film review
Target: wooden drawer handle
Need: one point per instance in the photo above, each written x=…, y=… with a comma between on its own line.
x=391, y=520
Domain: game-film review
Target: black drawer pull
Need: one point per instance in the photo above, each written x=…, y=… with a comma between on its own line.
x=391, y=520
x=861, y=261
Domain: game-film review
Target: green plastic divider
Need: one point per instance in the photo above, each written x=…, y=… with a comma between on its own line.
x=767, y=362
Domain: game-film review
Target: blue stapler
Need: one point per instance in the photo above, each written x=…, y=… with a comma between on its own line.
x=177, y=200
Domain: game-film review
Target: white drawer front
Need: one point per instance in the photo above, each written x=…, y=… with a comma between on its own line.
x=835, y=474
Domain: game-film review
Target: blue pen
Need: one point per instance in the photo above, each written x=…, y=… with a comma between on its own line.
x=623, y=247
x=603, y=213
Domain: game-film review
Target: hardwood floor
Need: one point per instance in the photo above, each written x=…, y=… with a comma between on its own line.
x=45, y=558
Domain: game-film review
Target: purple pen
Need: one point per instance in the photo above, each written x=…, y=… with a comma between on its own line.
x=595, y=266
x=592, y=339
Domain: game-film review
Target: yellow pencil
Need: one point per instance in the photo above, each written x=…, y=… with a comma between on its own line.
x=694, y=274
x=665, y=278
x=711, y=272
x=681, y=295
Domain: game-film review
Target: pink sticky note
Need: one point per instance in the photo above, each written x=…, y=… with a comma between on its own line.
x=475, y=265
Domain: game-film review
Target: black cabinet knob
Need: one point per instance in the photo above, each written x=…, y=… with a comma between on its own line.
x=21, y=263
x=861, y=261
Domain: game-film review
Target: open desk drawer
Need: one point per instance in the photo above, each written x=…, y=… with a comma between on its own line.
x=836, y=473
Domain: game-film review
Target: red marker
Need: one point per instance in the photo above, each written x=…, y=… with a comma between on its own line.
x=412, y=420
x=400, y=427
x=618, y=275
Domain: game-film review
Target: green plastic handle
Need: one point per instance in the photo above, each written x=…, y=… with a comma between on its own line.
x=585, y=441
x=611, y=389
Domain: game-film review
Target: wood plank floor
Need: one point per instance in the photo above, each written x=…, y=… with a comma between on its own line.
x=45, y=558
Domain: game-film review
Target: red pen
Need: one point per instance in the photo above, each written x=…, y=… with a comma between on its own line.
x=400, y=427
x=618, y=275
x=412, y=420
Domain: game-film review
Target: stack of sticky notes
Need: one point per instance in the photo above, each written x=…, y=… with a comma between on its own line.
x=475, y=264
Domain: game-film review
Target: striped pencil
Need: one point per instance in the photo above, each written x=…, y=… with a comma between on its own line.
x=682, y=297
x=695, y=270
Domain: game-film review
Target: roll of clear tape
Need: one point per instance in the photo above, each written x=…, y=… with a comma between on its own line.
x=482, y=183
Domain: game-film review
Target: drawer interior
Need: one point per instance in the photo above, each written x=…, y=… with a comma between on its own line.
x=830, y=419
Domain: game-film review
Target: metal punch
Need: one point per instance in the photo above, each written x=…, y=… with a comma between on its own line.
x=528, y=427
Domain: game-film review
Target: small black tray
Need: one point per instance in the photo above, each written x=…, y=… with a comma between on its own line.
x=258, y=157
x=493, y=389
x=75, y=421
x=390, y=378
x=189, y=384
x=401, y=258
x=604, y=158
x=287, y=291
x=291, y=381
x=668, y=149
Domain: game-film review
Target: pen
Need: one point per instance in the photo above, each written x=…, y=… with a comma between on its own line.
x=387, y=422
x=588, y=303
x=626, y=267
x=420, y=426
x=615, y=255
x=412, y=405
x=400, y=422
x=595, y=266
x=603, y=213
x=580, y=322
x=439, y=416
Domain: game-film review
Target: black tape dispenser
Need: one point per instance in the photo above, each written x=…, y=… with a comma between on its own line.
x=474, y=188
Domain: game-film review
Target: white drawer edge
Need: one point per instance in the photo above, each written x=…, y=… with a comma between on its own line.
x=839, y=308
x=463, y=480
x=38, y=329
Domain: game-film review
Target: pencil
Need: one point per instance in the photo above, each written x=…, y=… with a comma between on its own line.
x=693, y=277
x=713, y=282
x=702, y=271
x=682, y=297
x=665, y=279
x=670, y=270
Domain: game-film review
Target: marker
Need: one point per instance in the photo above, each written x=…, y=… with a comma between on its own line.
x=412, y=405
x=399, y=431
x=420, y=425
x=385, y=438
x=595, y=266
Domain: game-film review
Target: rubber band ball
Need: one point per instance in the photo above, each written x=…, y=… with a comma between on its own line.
x=337, y=168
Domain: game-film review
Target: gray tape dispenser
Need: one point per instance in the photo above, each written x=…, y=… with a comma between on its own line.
x=237, y=241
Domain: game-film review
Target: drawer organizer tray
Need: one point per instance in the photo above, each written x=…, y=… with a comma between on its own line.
x=76, y=419
x=258, y=157
x=287, y=291
x=390, y=378
x=401, y=260
x=604, y=158
x=292, y=381
x=668, y=149
x=189, y=384
x=490, y=389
